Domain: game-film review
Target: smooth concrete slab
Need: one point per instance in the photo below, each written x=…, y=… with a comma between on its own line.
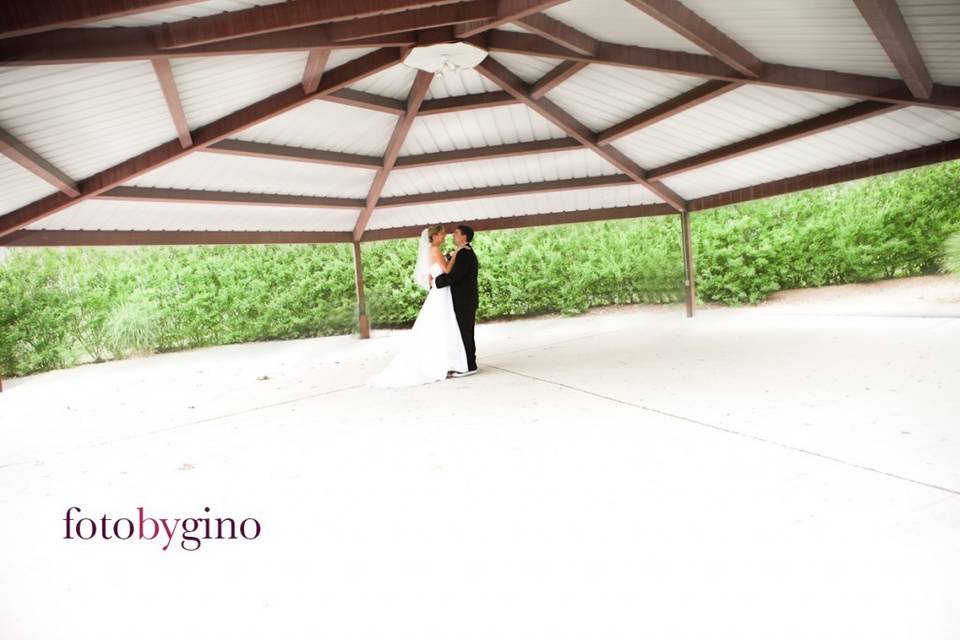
x=782, y=471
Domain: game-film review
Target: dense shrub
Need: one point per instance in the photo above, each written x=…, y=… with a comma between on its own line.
x=61, y=307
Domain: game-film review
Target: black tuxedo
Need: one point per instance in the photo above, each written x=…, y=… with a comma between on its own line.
x=462, y=281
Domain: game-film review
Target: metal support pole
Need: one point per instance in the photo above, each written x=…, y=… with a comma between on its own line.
x=689, y=273
x=361, y=296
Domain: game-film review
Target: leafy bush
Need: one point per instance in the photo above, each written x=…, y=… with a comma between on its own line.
x=62, y=307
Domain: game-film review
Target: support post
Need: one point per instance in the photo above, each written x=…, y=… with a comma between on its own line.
x=689, y=273
x=361, y=296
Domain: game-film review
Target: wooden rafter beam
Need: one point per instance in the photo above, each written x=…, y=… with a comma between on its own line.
x=678, y=17
x=295, y=154
x=354, y=98
x=487, y=153
x=461, y=195
x=414, y=100
x=30, y=160
x=313, y=70
x=696, y=96
x=196, y=196
x=818, y=124
x=37, y=16
x=532, y=220
x=556, y=76
x=467, y=102
x=559, y=33
x=507, y=11
x=851, y=85
x=278, y=17
x=203, y=137
x=402, y=21
x=891, y=30
x=509, y=82
x=63, y=238
x=161, y=67
x=119, y=44
x=933, y=154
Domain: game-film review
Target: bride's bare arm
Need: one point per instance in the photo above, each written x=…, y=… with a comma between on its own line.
x=443, y=262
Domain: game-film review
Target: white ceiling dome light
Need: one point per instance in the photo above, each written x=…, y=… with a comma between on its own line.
x=445, y=57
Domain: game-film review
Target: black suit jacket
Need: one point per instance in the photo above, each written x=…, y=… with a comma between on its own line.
x=462, y=280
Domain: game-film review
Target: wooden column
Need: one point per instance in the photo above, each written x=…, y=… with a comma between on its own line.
x=361, y=297
x=689, y=273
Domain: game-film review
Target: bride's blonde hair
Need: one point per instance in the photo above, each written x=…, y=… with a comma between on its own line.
x=434, y=230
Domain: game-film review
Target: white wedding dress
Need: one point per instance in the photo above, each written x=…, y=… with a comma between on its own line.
x=431, y=348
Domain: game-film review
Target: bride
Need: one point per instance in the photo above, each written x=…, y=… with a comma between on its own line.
x=433, y=347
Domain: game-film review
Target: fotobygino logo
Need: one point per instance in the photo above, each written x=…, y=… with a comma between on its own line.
x=191, y=530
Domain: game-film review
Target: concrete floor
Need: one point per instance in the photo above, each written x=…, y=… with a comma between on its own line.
x=784, y=471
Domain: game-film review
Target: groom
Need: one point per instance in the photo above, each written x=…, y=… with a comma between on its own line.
x=462, y=281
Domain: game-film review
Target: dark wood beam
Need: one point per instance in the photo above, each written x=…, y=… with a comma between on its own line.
x=678, y=17
x=203, y=137
x=278, y=17
x=195, y=196
x=467, y=102
x=818, y=124
x=296, y=154
x=696, y=96
x=509, y=82
x=532, y=220
x=63, y=238
x=507, y=11
x=30, y=160
x=689, y=271
x=559, y=33
x=414, y=100
x=67, y=46
x=401, y=21
x=487, y=153
x=933, y=154
x=35, y=16
x=891, y=30
x=556, y=76
x=461, y=195
x=362, y=320
x=852, y=85
x=161, y=67
x=354, y=98
x=313, y=71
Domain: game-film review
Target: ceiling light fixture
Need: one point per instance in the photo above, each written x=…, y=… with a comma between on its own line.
x=446, y=57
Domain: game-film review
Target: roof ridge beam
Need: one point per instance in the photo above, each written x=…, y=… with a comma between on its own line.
x=559, y=33
x=851, y=85
x=33, y=162
x=204, y=136
x=496, y=72
x=24, y=18
x=691, y=26
x=891, y=30
x=277, y=17
x=819, y=124
x=507, y=11
x=401, y=21
x=418, y=91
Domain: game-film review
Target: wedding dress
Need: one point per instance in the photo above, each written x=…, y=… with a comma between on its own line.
x=433, y=346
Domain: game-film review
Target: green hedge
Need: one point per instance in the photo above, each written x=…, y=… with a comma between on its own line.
x=62, y=307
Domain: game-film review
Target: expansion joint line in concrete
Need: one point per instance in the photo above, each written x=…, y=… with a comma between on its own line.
x=726, y=430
